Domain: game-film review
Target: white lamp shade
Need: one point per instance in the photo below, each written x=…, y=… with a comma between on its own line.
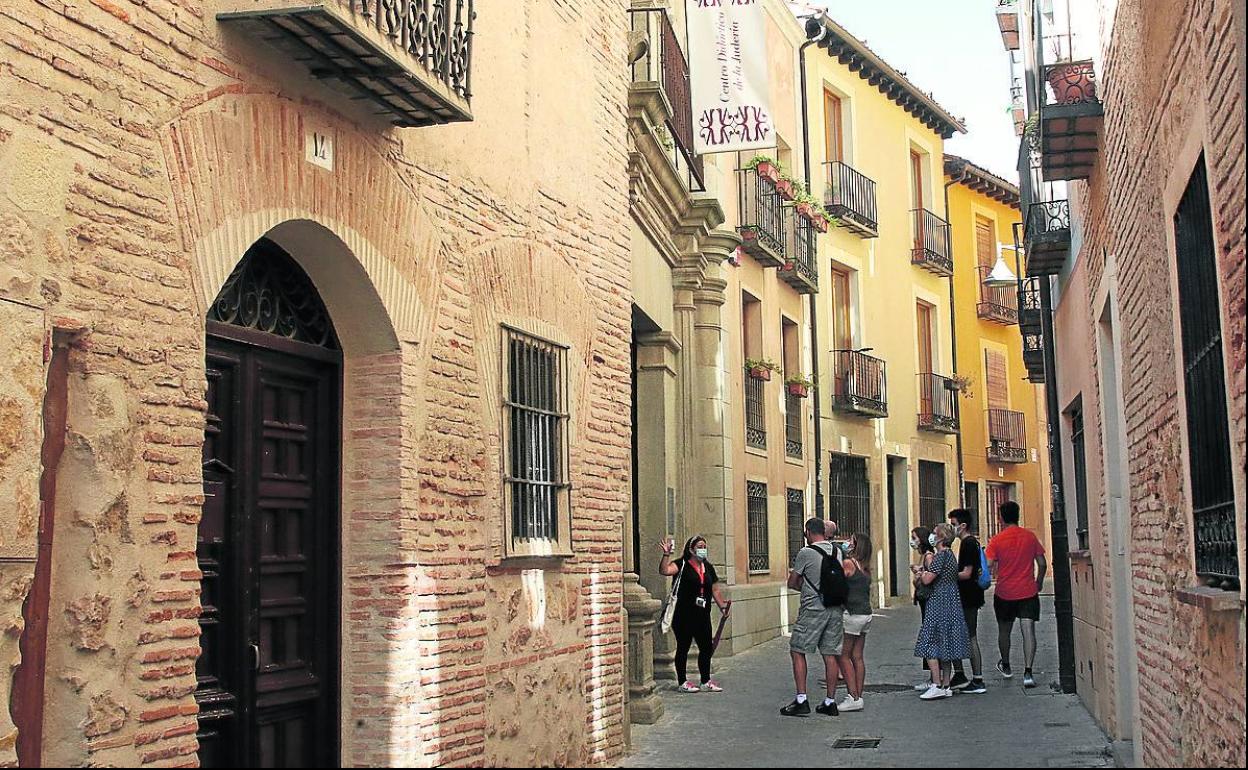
x=1001, y=276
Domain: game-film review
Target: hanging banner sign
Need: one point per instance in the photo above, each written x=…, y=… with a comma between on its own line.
x=728, y=75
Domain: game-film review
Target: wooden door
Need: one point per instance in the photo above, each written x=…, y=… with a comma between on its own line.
x=268, y=544
x=834, y=139
x=923, y=332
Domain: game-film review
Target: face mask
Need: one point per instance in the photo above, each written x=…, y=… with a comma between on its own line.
x=931, y=540
x=914, y=543
x=846, y=549
x=701, y=553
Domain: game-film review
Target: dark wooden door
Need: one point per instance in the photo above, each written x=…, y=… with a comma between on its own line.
x=268, y=548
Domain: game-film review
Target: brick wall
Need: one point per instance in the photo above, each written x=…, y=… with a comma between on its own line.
x=141, y=149
x=1170, y=85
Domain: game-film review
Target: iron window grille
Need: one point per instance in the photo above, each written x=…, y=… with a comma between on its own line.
x=1007, y=436
x=755, y=424
x=792, y=425
x=1204, y=380
x=796, y=519
x=536, y=418
x=932, y=509
x=1079, y=452
x=762, y=219
x=997, y=494
x=849, y=495
x=756, y=496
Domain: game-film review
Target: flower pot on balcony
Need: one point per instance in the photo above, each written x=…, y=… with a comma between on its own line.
x=1072, y=82
x=785, y=188
x=806, y=210
x=760, y=373
x=799, y=389
x=769, y=171
x=819, y=223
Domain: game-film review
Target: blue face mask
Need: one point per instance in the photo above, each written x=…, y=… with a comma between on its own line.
x=701, y=553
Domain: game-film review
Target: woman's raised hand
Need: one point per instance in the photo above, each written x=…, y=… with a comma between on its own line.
x=668, y=545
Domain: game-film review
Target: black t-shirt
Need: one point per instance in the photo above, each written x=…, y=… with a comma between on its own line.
x=968, y=556
x=691, y=587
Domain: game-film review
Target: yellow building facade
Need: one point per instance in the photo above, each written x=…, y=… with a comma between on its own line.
x=889, y=412
x=1004, y=435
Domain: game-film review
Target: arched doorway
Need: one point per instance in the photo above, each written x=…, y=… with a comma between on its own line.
x=269, y=539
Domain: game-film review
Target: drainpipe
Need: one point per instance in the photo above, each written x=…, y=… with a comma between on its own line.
x=953, y=338
x=815, y=31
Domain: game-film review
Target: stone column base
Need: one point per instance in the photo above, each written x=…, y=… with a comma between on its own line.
x=644, y=705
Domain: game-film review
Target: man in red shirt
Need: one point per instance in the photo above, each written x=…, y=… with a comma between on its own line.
x=1016, y=559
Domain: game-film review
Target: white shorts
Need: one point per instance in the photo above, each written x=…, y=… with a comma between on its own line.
x=857, y=625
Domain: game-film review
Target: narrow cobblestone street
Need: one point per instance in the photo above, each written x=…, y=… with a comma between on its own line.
x=1007, y=727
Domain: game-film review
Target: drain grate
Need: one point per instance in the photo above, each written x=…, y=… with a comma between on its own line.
x=856, y=743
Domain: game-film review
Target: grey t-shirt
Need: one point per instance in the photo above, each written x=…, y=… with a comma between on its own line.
x=809, y=565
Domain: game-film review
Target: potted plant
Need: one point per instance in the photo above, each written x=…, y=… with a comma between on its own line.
x=766, y=168
x=959, y=383
x=810, y=209
x=761, y=368
x=828, y=220
x=787, y=187
x=798, y=386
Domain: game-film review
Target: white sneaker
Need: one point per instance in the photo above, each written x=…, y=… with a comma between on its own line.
x=688, y=687
x=936, y=692
x=922, y=687
x=850, y=704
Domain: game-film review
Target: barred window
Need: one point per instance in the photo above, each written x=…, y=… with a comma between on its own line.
x=849, y=495
x=796, y=515
x=931, y=493
x=536, y=417
x=756, y=496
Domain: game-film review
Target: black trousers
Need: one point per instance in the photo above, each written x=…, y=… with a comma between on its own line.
x=689, y=628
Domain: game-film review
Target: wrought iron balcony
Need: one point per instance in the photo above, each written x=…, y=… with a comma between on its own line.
x=1070, y=121
x=850, y=197
x=1007, y=436
x=1030, y=317
x=792, y=425
x=1033, y=355
x=1047, y=236
x=938, y=404
x=762, y=219
x=664, y=70
x=998, y=304
x=410, y=60
x=799, y=269
x=930, y=243
x=860, y=384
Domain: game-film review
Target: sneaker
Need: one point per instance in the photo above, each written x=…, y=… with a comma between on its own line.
x=1004, y=668
x=711, y=686
x=689, y=687
x=828, y=710
x=936, y=692
x=976, y=687
x=1029, y=681
x=923, y=687
x=796, y=709
x=959, y=681
x=850, y=704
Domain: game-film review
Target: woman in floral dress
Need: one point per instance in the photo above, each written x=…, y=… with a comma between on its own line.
x=943, y=637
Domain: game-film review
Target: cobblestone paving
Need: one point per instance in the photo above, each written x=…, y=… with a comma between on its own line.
x=1007, y=727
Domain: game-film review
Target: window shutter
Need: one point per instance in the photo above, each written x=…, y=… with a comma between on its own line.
x=985, y=243
x=998, y=383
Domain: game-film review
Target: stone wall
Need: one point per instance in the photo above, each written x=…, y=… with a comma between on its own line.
x=142, y=148
x=1172, y=87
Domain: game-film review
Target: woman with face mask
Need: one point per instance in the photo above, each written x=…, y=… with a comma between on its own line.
x=944, y=637
x=920, y=543
x=698, y=587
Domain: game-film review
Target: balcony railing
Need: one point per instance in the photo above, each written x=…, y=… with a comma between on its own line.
x=799, y=269
x=665, y=68
x=1047, y=237
x=1070, y=121
x=755, y=423
x=792, y=425
x=938, y=404
x=860, y=384
x=410, y=59
x=998, y=304
x=1029, y=308
x=1033, y=354
x=850, y=197
x=930, y=243
x=1007, y=436
x=762, y=219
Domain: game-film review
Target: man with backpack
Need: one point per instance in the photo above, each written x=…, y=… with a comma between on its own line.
x=973, y=579
x=818, y=575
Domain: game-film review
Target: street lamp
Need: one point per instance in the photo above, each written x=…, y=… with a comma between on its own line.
x=1001, y=276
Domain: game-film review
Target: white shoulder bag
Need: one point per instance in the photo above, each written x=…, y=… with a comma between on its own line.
x=670, y=610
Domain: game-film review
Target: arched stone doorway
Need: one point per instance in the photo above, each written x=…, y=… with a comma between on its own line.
x=269, y=540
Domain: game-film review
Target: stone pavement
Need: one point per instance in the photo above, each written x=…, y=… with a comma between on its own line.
x=1007, y=727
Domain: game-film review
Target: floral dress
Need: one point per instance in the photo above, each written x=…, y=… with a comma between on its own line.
x=943, y=635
